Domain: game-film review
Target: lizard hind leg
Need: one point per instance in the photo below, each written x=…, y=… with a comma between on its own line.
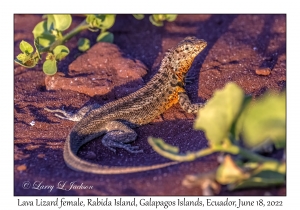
x=119, y=135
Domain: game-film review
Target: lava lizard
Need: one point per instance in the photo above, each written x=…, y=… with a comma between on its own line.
x=115, y=120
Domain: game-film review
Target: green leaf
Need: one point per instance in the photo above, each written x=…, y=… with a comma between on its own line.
x=38, y=48
x=159, y=17
x=22, y=57
x=139, y=16
x=101, y=21
x=46, y=40
x=108, y=21
x=264, y=175
x=26, y=59
x=90, y=18
x=218, y=115
x=28, y=62
x=44, y=36
x=93, y=20
x=228, y=172
x=273, y=179
x=19, y=62
x=105, y=37
x=59, y=22
x=60, y=52
x=171, y=18
x=25, y=47
x=49, y=67
x=155, y=20
x=50, y=22
x=83, y=44
x=237, y=128
x=40, y=29
x=264, y=121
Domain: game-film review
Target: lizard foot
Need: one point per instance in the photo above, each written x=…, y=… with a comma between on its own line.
x=119, y=139
x=119, y=135
x=73, y=116
x=189, y=79
x=64, y=115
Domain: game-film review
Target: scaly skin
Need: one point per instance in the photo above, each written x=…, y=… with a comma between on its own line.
x=115, y=119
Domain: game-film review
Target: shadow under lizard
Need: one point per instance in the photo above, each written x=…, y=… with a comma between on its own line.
x=115, y=120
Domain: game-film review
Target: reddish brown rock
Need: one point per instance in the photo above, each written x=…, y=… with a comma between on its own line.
x=263, y=71
x=41, y=155
x=99, y=71
x=21, y=167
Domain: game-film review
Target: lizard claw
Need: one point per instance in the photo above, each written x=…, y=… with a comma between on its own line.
x=112, y=149
x=133, y=149
x=189, y=79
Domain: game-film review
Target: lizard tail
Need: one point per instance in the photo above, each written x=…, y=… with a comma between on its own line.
x=78, y=164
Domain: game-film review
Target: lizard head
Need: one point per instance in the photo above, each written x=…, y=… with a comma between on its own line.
x=191, y=46
x=183, y=55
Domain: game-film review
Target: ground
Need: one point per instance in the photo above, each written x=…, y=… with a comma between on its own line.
x=247, y=49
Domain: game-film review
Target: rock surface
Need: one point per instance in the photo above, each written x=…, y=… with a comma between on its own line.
x=98, y=71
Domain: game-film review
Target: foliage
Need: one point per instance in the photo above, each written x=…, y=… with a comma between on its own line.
x=157, y=19
x=83, y=44
x=49, y=34
x=237, y=125
x=49, y=38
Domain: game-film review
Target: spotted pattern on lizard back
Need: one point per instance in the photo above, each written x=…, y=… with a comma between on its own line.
x=115, y=120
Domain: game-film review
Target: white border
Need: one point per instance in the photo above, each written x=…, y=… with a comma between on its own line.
x=153, y=6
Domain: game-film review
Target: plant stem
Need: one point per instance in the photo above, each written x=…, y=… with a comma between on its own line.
x=254, y=156
x=229, y=148
x=82, y=26
x=235, y=150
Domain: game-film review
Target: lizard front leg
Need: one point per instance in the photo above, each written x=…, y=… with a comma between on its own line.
x=186, y=104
